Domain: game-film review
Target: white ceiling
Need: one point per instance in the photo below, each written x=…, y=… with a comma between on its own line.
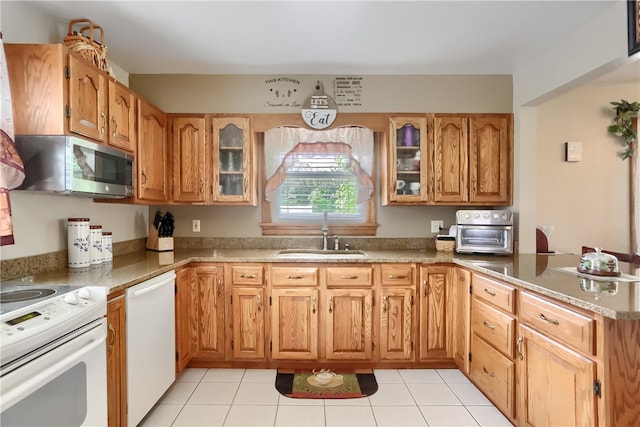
x=328, y=37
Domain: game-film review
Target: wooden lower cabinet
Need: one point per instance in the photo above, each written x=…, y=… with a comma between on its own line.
x=294, y=324
x=247, y=308
x=117, y=362
x=461, y=323
x=348, y=326
x=494, y=374
x=556, y=383
x=210, y=313
x=396, y=324
x=186, y=314
x=435, y=317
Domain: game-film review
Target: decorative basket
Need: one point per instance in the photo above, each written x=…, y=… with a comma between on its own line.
x=83, y=43
x=445, y=245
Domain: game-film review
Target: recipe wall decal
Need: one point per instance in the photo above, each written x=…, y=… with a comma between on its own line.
x=285, y=93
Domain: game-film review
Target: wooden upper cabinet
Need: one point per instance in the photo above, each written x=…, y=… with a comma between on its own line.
x=123, y=132
x=234, y=163
x=450, y=154
x=407, y=165
x=490, y=159
x=189, y=155
x=55, y=93
x=87, y=100
x=152, y=154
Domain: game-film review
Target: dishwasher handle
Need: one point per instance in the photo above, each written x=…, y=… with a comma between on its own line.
x=160, y=281
x=149, y=289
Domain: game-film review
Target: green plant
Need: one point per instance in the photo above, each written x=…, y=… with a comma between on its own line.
x=623, y=125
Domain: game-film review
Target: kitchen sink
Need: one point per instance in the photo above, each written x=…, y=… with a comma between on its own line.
x=320, y=254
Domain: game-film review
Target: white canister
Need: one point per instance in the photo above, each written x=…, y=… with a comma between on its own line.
x=107, y=246
x=96, y=244
x=78, y=242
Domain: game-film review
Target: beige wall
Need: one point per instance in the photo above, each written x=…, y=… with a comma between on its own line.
x=594, y=48
x=250, y=94
x=566, y=65
x=40, y=220
x=586, y=202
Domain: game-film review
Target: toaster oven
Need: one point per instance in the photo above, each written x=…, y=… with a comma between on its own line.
x=484, y=232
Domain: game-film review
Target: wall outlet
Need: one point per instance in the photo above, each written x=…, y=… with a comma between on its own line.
x=195, y=225
x=436, y=225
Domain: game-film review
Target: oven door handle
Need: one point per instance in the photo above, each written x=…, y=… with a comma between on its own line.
x=25, y=388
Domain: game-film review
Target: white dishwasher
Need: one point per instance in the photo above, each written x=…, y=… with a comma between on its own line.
x=150, y=343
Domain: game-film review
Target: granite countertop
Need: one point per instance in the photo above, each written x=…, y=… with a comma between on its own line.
x=616, y=300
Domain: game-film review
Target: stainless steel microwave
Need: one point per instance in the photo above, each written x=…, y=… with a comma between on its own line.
x=74, y=166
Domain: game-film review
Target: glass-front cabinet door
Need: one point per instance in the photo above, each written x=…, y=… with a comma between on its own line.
x=232, y=161
x=407, y=160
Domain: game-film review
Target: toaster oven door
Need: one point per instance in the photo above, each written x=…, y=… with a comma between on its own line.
x=490, y=239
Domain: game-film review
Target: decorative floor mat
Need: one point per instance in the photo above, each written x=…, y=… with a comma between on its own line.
x=326, y=384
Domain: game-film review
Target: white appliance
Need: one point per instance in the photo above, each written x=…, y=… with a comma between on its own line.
x=484, y=232
x=53, y=355
x=150, y=343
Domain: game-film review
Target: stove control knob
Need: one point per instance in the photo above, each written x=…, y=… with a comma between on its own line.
x=84, y=293
x=71, y=298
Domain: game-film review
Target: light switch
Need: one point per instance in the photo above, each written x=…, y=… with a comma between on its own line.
x=573, y=151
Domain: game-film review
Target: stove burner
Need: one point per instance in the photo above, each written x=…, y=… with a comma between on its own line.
x=25, y=295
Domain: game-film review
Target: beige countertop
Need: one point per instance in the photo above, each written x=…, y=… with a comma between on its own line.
x=618, y=300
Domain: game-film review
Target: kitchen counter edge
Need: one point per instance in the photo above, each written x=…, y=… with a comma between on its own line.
x=521, y=270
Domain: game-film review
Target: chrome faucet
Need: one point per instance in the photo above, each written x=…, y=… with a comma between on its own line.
x=325, y=230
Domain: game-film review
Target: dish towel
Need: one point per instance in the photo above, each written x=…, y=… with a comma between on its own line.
x=11, y=166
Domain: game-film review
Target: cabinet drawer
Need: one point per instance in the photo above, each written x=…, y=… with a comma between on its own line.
x=349, y=276
x=294, y=276
x=246, y=274
x=400, y=274
x=494, y=326
x=491, y=291
x=558, y=322
x=494, y=374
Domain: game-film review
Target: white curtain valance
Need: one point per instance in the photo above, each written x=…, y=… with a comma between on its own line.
x=281, y=140
x=284, y=144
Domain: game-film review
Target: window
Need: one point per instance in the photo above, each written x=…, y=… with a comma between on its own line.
x=310, y=172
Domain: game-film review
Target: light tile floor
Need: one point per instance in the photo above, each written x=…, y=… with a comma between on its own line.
x=247, y=397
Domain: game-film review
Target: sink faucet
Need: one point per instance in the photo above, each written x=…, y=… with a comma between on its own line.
x=325, y=230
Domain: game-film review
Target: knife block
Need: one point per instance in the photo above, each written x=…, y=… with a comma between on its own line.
x=158, y=244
